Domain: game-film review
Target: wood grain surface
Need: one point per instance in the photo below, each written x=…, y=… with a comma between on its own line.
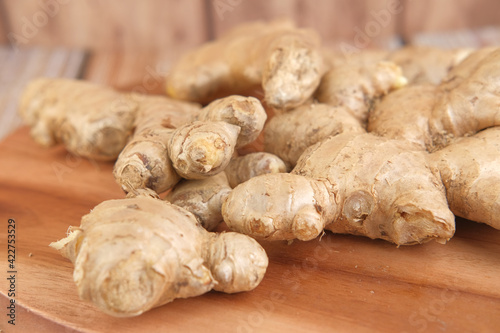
x=448, y=15
x=339, y=283
x=159, y=24
x=335, y=21
x=142, y=72
x=108, y=25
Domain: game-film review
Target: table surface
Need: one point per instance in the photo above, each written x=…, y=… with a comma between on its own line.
x=340, y=282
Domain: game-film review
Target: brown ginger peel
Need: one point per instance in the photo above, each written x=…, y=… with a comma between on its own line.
x=286, y=61
x=469, y=168
x=242, y=168
x=90, y=120
x=289, y=134
x=133, y=254
x=202, y=197
x=358, y=86
x=175, y=139
x=144, y=162
x=349, y=183
x=202, y=149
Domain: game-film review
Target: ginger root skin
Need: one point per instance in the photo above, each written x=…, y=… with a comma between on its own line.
x=242, y=168
x=358, y=86
x=202, y=149
x=419, y=64
x=289, y=134
x=245, y=112
x=287, y=62
x=385, y=187
x=88, y=119
x=469, y=168
x=203, y=198
x=469, y=98
x=175, y=139
x=279, y=206
x=466, y=102
x=404, y=115
x=134, y=254
x=357, y=184
x=144, y=162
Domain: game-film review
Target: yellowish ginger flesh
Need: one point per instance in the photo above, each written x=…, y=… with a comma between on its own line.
x=287, y=62
x=90, y=120
x=349, y=183
x=470, y=169
x=134, y=254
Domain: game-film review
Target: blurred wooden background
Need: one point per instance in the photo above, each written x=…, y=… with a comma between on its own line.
x=123, y=43
x=131, y=25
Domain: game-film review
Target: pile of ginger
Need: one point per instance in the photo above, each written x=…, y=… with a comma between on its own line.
x=280, y=139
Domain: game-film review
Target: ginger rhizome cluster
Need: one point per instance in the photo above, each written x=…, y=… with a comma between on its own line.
x=281, y=139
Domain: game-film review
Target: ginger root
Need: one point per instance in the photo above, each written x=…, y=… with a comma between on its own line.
x=425, y=64
x=285, y=61
x=358, y=86
x=245, y=112
x=175, y=139
x=203, y=198
x=470, y=171
x=433, y=116
x=96, y=122
x=433, y=151
x=350, y=183
x=289, y=134
x=144, y=162
x=202, y=149
x=205, y=147
x=469, y=98
x=404, y=115
x=419, y=64
x=347, y=93
x=90, y=120
x=242, y=168
x=133, y=254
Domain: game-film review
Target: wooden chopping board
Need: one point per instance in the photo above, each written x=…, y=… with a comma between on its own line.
x=342, y=283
